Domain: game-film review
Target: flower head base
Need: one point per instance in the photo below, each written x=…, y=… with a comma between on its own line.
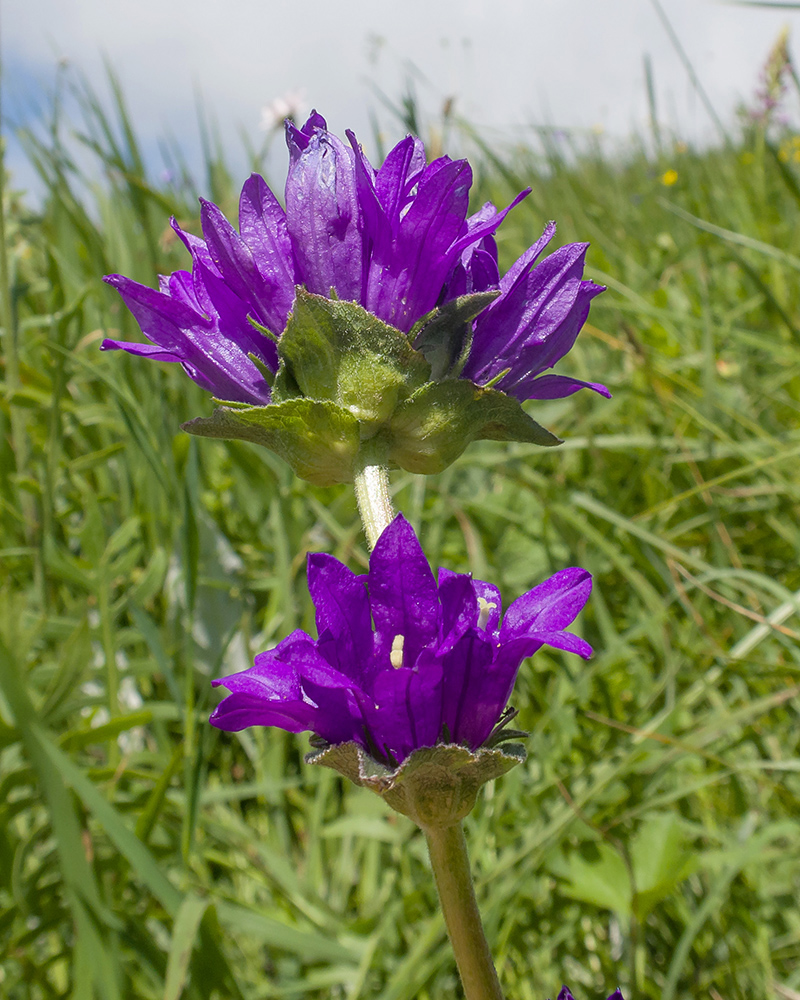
x=418, y=317
x=404, y=662
x=435, y=786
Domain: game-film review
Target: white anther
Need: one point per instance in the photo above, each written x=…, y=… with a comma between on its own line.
x=484, y=608
x=396, y=655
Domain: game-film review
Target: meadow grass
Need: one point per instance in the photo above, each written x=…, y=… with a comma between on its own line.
x=651, y=839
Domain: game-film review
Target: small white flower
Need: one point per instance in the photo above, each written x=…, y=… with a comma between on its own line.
x=292, y=105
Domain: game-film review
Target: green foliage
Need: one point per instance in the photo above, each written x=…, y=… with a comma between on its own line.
x=144, y=854
x=345, y=376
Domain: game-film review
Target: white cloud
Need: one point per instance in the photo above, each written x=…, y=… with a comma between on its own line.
x=574, y=63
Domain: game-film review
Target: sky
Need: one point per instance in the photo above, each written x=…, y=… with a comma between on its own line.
x=509, y=64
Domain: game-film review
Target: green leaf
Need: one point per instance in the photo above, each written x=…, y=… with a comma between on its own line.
x=336, y=350
x=238, y=919
x=660, y=861
x=184, y=935
x=77, y=873
x=431, y=429
x=317, y=438
x=604, y=882
x=155, y=801
x=445, y=336
x=123, y=838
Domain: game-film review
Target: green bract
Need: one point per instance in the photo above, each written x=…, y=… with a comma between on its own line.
x=346, y=377
x=436, y=786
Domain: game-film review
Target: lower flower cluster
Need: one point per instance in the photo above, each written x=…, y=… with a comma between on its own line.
x=402, y=660
x=566, y=995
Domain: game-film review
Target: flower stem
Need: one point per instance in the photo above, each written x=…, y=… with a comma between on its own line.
x=371, y=483
x=450, y=863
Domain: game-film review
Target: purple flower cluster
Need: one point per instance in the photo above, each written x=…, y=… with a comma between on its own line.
x=402, y=661
x=566, y=995
x=396, y=240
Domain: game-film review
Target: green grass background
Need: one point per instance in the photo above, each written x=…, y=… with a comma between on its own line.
x=652, y=838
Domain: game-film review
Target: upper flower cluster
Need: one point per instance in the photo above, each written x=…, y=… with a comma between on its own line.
x=397, y=240
x=402, y=661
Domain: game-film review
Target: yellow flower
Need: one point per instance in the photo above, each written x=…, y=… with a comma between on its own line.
x=669, y=177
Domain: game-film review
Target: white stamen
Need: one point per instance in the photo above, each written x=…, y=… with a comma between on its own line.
x=485, y=607
x=396, y=655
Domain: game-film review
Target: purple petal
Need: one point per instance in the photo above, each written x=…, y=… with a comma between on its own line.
x=553, y=387
x=322, y=214
x=563, y=640
x=213, y=361
x=241, y=710
x=236, y=263
x=196, y=247
x=407, y=712
x=402, y=167
x=342, y=608
x=295, y=688
x=476, y=271
x=297, y=138
x=270, y=686
x=262, y=223
x=402, y=593
x=523, y=264
x=465, y=667
x=338, y=717
x=549, y=607
x=405, y=282
x=377, y=231
x=565, y=994
x=142, y=350
x=491, y=595
x=236, y=334
x=546, y=343
x=528, y=315
x=496, y=684
x=486, y=222
x=181, y=287
x=459, y=607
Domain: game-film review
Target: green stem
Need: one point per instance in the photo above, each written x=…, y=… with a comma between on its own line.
x=450, y=863
x=371, y=484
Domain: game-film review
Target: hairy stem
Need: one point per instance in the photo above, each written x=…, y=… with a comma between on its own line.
x=448, y=851
x=371, y=483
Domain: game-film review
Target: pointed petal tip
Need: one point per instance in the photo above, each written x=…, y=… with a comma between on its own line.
x=398, y=527
x=316, y=561
x=254, y=180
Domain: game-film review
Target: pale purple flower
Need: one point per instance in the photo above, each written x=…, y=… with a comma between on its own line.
x=402, y=661
x=397, y=240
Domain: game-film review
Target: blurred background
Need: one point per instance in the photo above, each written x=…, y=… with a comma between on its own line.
x=567, y=64
x=651, y=839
